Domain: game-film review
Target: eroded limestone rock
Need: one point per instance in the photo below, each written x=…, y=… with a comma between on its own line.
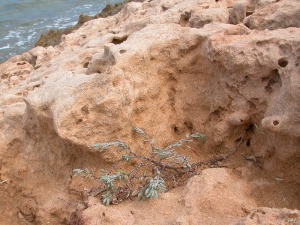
x=172, y=68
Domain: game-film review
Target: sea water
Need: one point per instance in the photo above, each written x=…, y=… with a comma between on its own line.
x=23, y=21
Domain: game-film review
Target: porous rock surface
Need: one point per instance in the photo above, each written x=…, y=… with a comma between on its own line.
x=271, y=217
x=226, y=68
x=204, y=193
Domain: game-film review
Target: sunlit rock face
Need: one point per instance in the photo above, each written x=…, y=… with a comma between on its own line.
x=224, y=68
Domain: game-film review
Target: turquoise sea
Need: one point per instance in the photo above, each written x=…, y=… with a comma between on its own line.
x=23, y=21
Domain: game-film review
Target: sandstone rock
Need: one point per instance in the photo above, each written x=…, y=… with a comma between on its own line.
x=276, y=15
x=201, y=202
x=208, y=194
x=237, y=13
x=172, y=68
x=271, y=216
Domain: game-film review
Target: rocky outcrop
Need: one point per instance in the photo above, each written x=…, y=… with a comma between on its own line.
x=200, y=202
x=279, y=14
x=53, y=37
x=172, y=68
x=271, y=216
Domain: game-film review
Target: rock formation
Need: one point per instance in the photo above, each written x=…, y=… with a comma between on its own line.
x=54, y=37
x=227, y=68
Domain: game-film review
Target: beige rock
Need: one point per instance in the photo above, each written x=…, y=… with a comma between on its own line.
x=274, y=15
x=238, y=12
x=271, y=216
x=171, y=68
x=201, y=202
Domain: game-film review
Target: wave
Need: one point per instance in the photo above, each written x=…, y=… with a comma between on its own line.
x=23, y=21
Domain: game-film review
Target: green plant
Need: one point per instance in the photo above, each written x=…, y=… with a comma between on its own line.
x=151, y=189
x=150, y=175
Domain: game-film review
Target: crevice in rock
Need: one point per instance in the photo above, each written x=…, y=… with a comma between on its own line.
x=189, y=125
x=297, y=62
x=250, y=129
x=248, y=142
x=238, y=141
x=176, y=129
x=76, y=218
x=184, y=18
x=119, y=40
x=32, y=61
x=249, y=13
x=274, y=81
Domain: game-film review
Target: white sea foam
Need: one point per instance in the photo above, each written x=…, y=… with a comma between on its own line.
x=20, y=43
x=5, y=47
x=20, y=33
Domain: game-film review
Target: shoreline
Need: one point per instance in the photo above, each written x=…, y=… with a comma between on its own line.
x=21, y=39
x=53, y=36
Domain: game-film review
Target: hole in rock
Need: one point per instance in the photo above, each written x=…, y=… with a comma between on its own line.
x=122, y=51
x=268, y=89
x=4, y=76
x=185, y=16
x=249, y=13
x=175, y=129
x=21, y=63
x=247, y=24
x=248, y=143
x=79, y=121
x=217, y=113
x=86, y=65
x=250, y=128
x=297, y=61
x=119, y=40
x=36, y=86
x=164, y=8
x=283, y=62
x=275, y=122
